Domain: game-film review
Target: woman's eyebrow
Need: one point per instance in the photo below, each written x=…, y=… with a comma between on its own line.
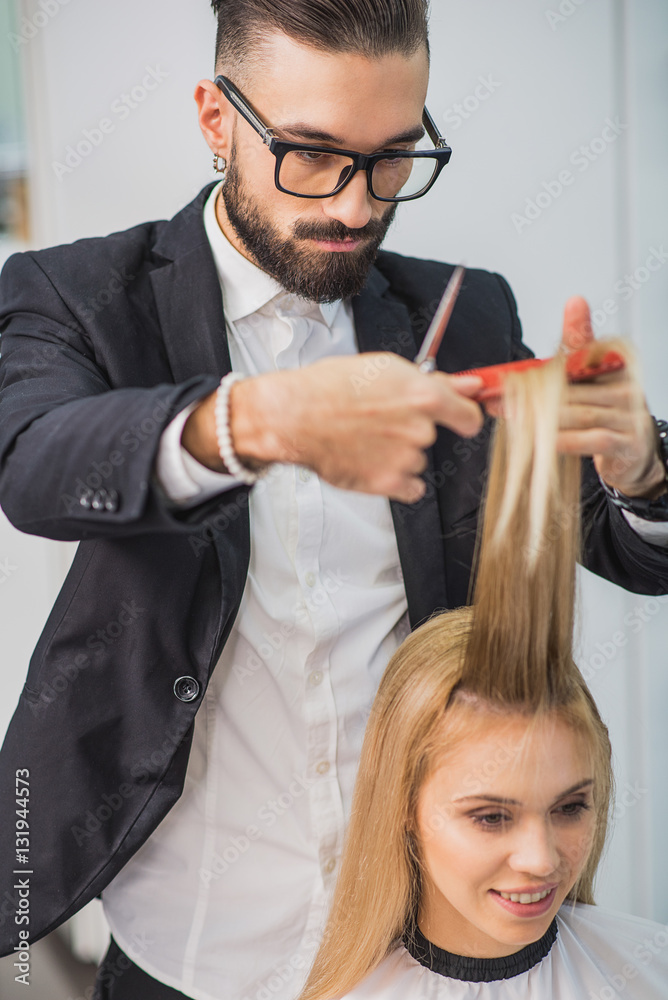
x=301, y=130
x=576, y=788
x=501, y=800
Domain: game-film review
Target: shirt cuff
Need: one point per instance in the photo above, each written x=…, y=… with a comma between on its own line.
x=184, y=480
x=654, y=532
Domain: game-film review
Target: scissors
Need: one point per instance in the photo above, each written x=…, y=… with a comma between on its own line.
x=425, y=359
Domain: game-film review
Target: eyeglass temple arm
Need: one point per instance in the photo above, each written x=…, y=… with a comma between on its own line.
x=244, y=109
x=432, y=131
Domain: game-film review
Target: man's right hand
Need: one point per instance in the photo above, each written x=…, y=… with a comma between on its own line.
x=361, y=422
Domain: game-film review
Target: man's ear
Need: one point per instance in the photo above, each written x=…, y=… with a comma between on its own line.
x=216, y=117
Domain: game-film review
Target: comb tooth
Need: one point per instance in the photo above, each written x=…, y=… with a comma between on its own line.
x=588, y=363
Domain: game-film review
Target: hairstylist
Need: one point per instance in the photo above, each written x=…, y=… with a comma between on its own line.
x=198, y=770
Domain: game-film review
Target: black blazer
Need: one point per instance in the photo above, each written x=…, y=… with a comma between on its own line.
x=103, y=342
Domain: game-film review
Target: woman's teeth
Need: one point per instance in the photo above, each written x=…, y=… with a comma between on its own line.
x=525, y=897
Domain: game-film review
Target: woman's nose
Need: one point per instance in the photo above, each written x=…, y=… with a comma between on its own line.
x=534, y=851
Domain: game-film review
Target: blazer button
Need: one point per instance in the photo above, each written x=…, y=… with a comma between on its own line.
x=86, y=499
x=98, y=499
x=186, y=688
x=112, y=502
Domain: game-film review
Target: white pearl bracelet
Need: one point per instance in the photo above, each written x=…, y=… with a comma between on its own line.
x=225, y=446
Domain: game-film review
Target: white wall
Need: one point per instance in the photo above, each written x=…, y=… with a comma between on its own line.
x=551, y=86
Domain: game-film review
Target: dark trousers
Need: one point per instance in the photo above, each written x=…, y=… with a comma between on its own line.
x=118, y=978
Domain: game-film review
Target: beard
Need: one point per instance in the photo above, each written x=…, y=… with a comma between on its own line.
x=320, y=275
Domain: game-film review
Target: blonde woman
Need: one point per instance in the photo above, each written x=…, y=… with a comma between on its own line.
x=485, y=782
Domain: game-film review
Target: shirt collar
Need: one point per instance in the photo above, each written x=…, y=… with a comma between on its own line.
x=246, y=287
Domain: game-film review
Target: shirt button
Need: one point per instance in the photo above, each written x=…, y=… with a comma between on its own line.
x=323, y=767
x=315, y=678
x=304, y=475
x=186, y=688
x=310, y=579
x=329, y=866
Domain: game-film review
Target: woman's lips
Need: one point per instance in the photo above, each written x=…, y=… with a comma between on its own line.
x=518, y=909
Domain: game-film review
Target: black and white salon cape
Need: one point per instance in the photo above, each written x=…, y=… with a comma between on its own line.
x=588, y=953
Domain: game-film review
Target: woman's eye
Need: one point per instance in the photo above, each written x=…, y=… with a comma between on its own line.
x=490, y=820
x=573, y=810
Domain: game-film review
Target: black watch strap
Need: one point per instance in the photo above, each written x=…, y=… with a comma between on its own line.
x=649, y=510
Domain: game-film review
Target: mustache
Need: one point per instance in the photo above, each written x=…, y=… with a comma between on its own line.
x=375, y=229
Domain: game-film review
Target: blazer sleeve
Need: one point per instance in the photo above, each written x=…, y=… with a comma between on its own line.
x=611, y=547
x=520, y=351
x=77, y=455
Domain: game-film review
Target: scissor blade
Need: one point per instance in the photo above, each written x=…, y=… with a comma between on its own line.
x=427, y=354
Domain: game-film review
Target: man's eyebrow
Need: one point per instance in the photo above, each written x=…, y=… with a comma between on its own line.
x=500, y=800
x=301, y=130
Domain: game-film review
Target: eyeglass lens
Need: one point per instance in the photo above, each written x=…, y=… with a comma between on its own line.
x=304, y=172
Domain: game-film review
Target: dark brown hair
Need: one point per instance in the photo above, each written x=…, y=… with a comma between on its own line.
x=370, y=27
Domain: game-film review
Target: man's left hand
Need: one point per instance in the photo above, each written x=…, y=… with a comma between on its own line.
x=609, y=420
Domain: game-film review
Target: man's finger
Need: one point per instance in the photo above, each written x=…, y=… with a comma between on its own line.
x=588, y=417
x=453, y=409
x=466, y=385
x=462, y=416
x=577, y=330
x=599, y=441
x=411, y=491
x=600, y=393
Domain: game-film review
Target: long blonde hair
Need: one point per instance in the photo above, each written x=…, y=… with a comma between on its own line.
x=511, y=650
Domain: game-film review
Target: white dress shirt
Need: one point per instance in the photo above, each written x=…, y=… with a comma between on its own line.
x=228, y=896
x=226, y=899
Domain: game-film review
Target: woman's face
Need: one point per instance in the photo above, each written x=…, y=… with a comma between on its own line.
x=505, y=827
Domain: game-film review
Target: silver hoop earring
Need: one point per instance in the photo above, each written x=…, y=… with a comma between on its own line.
x=220, y=164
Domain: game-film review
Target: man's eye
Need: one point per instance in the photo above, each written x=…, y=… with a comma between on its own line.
x=306, y=156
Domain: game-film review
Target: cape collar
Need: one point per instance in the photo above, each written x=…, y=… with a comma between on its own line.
x=479, y=970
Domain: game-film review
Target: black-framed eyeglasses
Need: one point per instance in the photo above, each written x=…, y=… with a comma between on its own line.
x=308, y=171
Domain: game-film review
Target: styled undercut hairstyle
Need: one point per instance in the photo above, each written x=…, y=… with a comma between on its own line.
x=511, y=652
x=369, y=27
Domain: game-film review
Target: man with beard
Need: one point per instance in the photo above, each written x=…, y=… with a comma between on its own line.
x=263, y=483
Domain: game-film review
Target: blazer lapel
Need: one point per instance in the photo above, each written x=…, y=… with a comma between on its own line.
x=190, y=307
x=188, y=296
x=383, y=324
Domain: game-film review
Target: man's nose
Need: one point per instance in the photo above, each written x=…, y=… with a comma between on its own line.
x=353, y=206
x=534, y=851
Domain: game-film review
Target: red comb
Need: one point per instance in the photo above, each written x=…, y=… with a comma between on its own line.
x=578, y=369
